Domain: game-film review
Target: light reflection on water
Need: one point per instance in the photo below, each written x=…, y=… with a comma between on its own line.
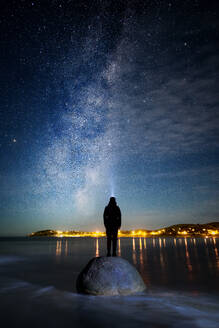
x=58, y=248
x=188, y=262
x=134, y=252
x=144, y=242
x=161, y=261
x=119, y=248
x=66, y=247
x=97, y=254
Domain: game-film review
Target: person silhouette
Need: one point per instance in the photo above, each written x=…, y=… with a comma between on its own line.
x=112, y=222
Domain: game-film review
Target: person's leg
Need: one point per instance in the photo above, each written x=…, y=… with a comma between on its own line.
x=115, y=233
x=109, y=239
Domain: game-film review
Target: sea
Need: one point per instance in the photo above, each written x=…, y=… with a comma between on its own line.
x=38, y=277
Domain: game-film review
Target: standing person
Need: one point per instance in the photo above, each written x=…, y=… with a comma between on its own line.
x=112, y=222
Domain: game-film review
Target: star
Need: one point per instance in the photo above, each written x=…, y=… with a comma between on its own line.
x=103, y=100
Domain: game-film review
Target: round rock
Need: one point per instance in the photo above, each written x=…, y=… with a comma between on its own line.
x=109, y=276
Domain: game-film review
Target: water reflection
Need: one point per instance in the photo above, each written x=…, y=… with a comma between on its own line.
x=97, y=254
x=66, y=247
x=161, y=254
x=133, y=244
x=208, y=255
x=154, y=244
x=216, y=253
x=141, y=259
x=119, y=247
x=134, y=251
x=62, y=247
x=188, y=262
x=160, y=242
x=140, y=244
x=162, y=257
x=215, y=247
x=58, y=247
x=161, y=261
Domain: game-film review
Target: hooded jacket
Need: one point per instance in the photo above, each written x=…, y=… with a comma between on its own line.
x=112, y=216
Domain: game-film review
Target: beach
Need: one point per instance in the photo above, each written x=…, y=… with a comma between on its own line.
x=38, y=275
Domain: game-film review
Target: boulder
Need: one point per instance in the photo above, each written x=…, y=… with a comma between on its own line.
x=109, y=276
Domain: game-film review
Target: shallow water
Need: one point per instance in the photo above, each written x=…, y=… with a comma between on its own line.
x=37, y=283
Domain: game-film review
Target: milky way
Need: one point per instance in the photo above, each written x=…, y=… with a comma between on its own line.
x=125, y=103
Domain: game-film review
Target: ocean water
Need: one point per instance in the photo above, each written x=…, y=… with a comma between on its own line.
x=38, y=276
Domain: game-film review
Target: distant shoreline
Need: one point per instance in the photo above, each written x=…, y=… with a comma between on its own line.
x=178, y=230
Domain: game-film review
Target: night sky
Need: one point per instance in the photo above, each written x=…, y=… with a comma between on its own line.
x=102, y=98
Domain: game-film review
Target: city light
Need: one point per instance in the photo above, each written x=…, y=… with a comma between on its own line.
x=173, y=231
x=213, y=232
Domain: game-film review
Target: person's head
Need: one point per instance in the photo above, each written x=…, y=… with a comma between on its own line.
x=112, y=201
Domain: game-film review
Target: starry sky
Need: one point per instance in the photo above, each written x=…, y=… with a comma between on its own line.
x=102, y=98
